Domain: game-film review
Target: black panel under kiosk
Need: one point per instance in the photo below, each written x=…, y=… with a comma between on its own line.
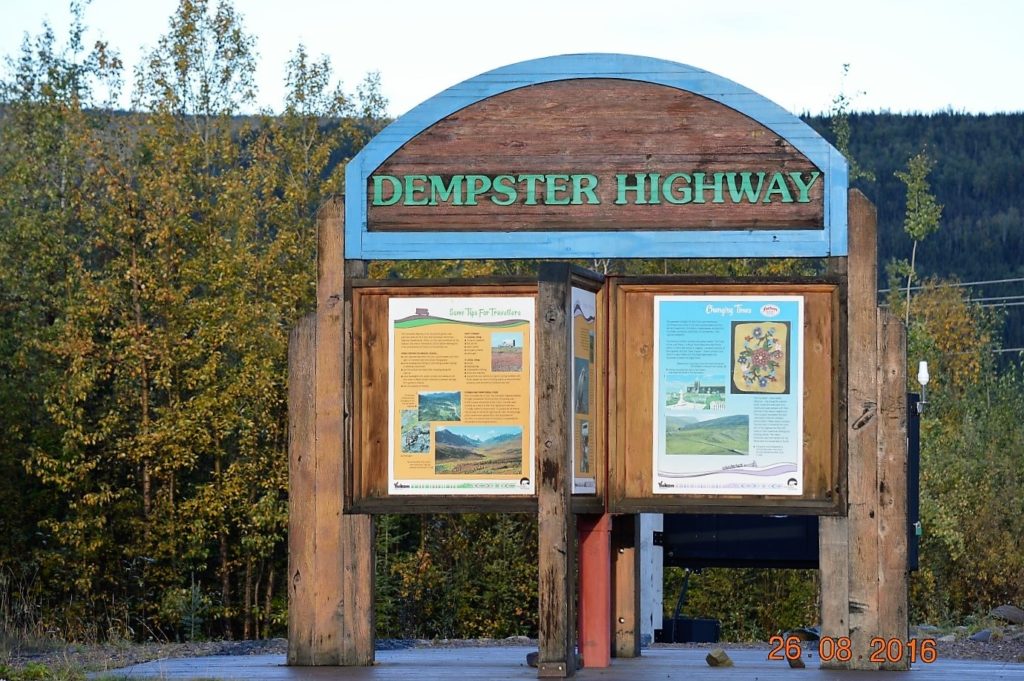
x=710, y=540
x=696, y=541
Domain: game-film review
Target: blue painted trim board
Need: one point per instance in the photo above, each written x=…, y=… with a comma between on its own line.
x=361, y=244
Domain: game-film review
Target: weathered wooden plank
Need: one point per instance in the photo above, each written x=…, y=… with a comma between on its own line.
x=357, y=611
x=556, y=524
x=892, y=483
x=371, y=377
x=343, y=606
x=328, y=617
x=370, y=340
x=626, y=585
x=631, y=394
x=833, y=532
x=602, y=127
x=859, y=531
x=357, y=531
x=863, y=429
x=301, y=488
x=446, y=504
x=350, y=351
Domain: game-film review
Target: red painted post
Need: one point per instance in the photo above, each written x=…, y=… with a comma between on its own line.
x=595, y=595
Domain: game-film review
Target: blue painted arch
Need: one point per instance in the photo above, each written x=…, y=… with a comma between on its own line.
x=361, y=244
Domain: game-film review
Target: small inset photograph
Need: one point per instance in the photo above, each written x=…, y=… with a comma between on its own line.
x=415, y=433
x=507, y=351
x=584, y=466
x=760, y=357
x=581, y=385
x=716, y=435
x=440, y=406
x=687, y=392
x=478, y=450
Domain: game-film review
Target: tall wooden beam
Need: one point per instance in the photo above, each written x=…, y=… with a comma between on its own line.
x=332, y=584
x=556, y=524
x=893, y=619
x=863, y=555
x=301, y=488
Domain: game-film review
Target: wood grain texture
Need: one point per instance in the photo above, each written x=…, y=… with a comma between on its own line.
x=893, y=578
x=301, y=489
x=654, y=243
x=340, y=556
x=556, y=529
x=626, y=627
x=357, y=531
x=370, y=403
x=603, y=127
x=631, y=408
x=833, y=531
x=863, y=419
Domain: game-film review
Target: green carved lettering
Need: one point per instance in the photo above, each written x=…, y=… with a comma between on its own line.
x=505, y=186
x=699, y=187
x=475, y=186
x=745, y=188
x=416, y=184
x=639, y=188
x=777, y=185
x=378, y=190
x=673, y=192
x=584, y=184
x=531, y=188
x=557, y=183
x=804, y=189
x=441, y=192
x=655, y=179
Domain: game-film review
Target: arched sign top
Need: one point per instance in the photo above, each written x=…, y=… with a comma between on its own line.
x=596, y=156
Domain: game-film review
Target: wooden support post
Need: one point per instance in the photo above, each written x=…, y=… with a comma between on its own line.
x=626, y=585
x=556, y=524
x=893, y=620
x=862, y=564
x=595, y=617
x=331, y=564
x=301, y=488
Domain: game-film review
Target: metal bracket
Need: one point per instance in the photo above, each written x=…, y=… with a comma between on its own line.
x=658, y=538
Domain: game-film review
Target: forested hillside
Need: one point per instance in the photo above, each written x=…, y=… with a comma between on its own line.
x=978, y=178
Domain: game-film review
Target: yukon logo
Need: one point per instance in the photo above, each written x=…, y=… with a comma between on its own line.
x=770, y=310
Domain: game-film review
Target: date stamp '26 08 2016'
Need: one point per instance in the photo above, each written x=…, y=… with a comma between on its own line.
x=883, y=651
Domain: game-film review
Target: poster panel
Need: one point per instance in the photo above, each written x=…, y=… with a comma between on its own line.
x=584, y=391
x=728, y=394
x=461, y=396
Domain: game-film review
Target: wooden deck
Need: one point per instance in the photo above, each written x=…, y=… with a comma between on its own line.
x=499, y=663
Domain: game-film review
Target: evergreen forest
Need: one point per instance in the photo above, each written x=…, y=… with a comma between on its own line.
x=153, y=262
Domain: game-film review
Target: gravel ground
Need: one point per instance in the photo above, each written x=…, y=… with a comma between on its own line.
x=1008, y=648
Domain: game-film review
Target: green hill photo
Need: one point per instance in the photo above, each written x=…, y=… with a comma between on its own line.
x=726, y=435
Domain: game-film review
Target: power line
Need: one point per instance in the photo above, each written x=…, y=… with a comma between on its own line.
x=978, y=300
x=958, y=284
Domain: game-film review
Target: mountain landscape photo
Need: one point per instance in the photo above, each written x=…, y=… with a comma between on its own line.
x=478, y=450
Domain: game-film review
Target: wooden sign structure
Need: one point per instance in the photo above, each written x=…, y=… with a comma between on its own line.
x=420, y=396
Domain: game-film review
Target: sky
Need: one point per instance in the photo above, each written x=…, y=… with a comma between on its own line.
x=904, y=55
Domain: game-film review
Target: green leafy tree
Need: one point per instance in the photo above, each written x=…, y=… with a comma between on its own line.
x=923, y=211
x=153, y=263
x=839, y=121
